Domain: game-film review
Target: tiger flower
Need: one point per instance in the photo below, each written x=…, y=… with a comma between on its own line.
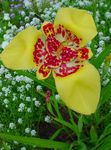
x=60, y=48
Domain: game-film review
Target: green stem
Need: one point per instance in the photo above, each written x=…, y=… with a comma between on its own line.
x=43, y=143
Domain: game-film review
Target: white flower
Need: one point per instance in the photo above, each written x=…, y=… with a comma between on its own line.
x=27, y=24
x=27, y=3
x=108, y=15
x=23, y=148
x=33, y=132
x=20, y=120
x=28, y=86
x=48, y=119
x=27, y=130
x=36, y=21
x=15, y=142
x=21, y=107
x=37, y=103
x=12, y=125
x=13, y=82
x=8, y=76
x=22, y=13
x=39, y=88
x=6, y=16
x=53, y=14
x=26, y=18
x=99, y=49
x=4, y=44
x=103, y=22
x=29, y=110
x=14, y=27
x=28, y=99
x=101, y=43
x=21, y=88
x=6, y=37
x=57, y=97
x=6, y=101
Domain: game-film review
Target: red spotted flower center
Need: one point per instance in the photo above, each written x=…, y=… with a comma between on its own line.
x=59, y=50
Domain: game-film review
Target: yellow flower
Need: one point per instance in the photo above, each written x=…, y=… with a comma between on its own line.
x=60, y=48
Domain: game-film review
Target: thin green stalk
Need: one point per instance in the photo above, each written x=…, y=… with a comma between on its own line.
x=42, y=143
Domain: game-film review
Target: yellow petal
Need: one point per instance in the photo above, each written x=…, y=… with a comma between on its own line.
x=80, y=91
x=78, y=21
x=19, y=53
x=43, y=72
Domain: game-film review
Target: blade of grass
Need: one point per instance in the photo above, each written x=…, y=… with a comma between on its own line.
x=43, y=143
x=56, y=134
x=66, y=124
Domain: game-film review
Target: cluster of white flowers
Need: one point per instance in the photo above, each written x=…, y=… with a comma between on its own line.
x=39, y=88
x=21, y=107
x=48, y=119
x=12, y=125
x=29, y=131
x=6, y=90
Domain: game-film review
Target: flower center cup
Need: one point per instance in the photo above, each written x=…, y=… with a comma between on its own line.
x=59, y=50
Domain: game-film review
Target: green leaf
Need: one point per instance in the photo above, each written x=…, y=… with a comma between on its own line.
x=93, y=134
x=80, y=124
x=50, y=109
x=6, y=5
x=68, y=125
x=56, y=134
x=99, y=60
x=6, y=147
x=106, y=132
x=81, y=146
x=104, y=144
x=43, y=143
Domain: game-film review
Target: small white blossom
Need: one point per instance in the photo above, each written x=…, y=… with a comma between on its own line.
x=4, y=44
x=37, y=103
x=108, y=15
x=48, y=119
x=12, y=125
x=13, y=82
x=29, y=110
x=8, y=76
x=6, y=101
x=28, y=99
x=15, y=142
x=20, y=120
x=6, y=16
x=57, y=97
x=27, y=130
x=21, y=107
x=23, y=148
x=33, y=132
x=39, y=88
x=27, y=3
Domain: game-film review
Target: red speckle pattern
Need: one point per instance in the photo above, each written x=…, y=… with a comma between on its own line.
x=62, y=54
x=44, y=71
x=52, y=44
